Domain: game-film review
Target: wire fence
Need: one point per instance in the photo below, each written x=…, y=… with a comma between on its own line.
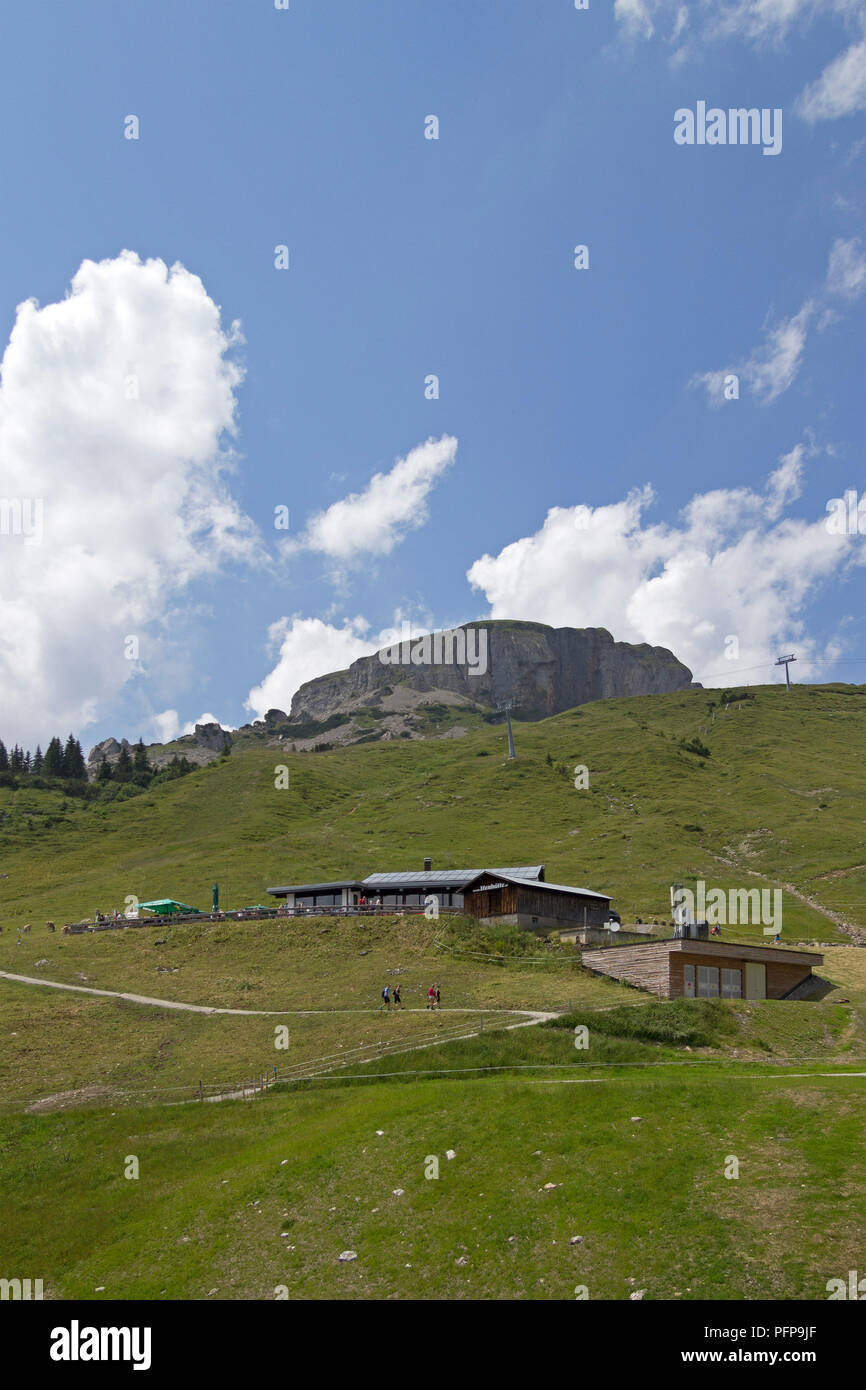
x=310, y=1068
x=257, y=1084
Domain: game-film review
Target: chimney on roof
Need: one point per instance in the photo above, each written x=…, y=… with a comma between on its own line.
x=428, y=865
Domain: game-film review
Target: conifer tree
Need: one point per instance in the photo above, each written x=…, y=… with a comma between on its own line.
x=73, y=759
x=122, y=770
x=140, y=761
x=52, y=763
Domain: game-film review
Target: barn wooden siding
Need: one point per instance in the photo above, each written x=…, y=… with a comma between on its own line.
x=508, y=899
x=492, y=902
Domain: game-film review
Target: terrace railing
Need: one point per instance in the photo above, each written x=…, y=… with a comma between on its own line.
x=168, y=918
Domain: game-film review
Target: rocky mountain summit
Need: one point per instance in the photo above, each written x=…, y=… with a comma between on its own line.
x=542, y=670
x=441, y=684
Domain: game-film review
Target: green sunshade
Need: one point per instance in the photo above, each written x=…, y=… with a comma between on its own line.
x=164, y=905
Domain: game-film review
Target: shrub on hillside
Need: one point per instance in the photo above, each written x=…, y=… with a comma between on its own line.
x=695, y=745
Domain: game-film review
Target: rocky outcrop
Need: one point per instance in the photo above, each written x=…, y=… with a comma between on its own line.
x=212, y=736
x=109, y=748
x=200, y=747
x=542, y=670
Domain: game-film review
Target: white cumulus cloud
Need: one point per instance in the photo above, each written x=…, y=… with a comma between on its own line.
x=731, y=566
x=374, y=521
x=306, y=648
x=116, y=405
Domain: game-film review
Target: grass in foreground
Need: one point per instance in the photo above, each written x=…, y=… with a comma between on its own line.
x=236, y=1200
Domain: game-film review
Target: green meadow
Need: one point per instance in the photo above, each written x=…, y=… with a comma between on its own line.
x=779, y=802
x=258, y=1200
x=625, y=1133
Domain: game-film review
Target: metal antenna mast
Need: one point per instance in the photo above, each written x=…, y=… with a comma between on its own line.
x=785, y=661
x=506, y=706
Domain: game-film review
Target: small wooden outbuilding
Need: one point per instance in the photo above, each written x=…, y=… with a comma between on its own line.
x=684, y=969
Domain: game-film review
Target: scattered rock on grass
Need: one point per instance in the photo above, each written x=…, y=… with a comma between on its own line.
x=345, y=1256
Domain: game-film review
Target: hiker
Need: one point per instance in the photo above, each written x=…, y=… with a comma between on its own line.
x=386, y=997
x=398, y=1002
x=431, y=997
x=378, y=902
x=438, y=997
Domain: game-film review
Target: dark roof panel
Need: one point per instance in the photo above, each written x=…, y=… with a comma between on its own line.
x=412, y=879
x=444, y=878
x=519, y=882
x=317, y=887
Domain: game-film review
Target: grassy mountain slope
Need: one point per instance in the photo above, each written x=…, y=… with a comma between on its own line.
x=247, y=1199
x=256, y=1201
x=780, y=796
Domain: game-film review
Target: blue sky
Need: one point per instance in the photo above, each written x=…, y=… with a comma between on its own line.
x=561, y=388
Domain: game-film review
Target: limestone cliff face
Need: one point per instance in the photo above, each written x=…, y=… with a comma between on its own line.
x=543, y=670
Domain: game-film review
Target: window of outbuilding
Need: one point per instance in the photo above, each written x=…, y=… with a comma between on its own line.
x=708, y=982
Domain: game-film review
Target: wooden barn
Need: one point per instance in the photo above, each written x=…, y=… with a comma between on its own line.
x=539, y=906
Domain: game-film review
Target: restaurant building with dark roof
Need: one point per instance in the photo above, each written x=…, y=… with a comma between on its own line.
x=519, y=895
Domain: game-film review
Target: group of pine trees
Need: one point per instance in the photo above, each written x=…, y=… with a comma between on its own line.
x=58, y=761
x=63, y=765
x=135, y=768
